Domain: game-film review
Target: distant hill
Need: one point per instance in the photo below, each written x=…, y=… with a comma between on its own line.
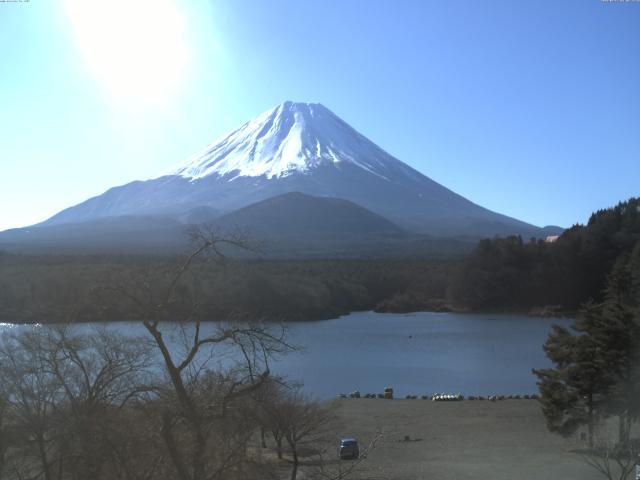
x=297, y=214
x=299, y=225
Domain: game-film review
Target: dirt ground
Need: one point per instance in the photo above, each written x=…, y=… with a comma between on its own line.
x=505, y=440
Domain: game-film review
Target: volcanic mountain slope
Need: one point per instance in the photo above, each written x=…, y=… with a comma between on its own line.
x=300, y=147
x=124, y=234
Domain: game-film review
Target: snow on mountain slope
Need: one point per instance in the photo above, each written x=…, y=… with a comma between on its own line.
x=292, y=137
x=300, y=147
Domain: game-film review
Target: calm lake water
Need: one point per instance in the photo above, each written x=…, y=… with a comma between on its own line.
x=417, y=353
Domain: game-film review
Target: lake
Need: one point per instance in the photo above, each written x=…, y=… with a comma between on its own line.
x=417, y=353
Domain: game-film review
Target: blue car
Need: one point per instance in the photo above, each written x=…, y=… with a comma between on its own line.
x=348, y=448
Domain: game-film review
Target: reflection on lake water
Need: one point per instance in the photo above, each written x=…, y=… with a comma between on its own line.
x=417, y=353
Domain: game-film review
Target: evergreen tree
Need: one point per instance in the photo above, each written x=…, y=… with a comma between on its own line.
x=618, y=335
x=573, y=391
x=597, y=369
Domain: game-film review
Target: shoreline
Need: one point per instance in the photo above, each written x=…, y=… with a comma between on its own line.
x=530, y=313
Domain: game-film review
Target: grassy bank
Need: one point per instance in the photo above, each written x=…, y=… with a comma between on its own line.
x=459, y=440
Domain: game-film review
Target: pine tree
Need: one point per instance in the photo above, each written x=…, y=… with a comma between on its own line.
x=571, y=394
x=617, y=333
x=597, y=369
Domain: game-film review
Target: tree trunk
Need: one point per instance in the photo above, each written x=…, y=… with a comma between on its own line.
x=170, y=443
x=3, y=449
x=590, y=420
x=43, y=458
x=294, y=470
x=263, y=442
x=193, y=418
x=198, y=453
x=624, y=427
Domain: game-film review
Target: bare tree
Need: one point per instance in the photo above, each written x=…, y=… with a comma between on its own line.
x=188, y=422
x=304, y=424
x=62, y=389
x=307, y=427
x=267, y=411
x=96, y=373
x=32, y=393
x=613, y=460
x=4, y=431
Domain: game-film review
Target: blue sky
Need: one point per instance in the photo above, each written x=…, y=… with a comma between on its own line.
x=531, y=109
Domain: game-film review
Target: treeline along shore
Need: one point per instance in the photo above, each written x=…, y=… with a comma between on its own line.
x=508, y=274
x=84, y=288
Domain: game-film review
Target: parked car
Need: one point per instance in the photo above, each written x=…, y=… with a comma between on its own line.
x=348, y=448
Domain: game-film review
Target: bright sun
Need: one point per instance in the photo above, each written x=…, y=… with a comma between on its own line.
x=137, y=49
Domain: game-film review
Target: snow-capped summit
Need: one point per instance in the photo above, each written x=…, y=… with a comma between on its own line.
x=292, y=137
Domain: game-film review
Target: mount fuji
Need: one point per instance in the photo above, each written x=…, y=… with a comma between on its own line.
x=306, y=148
x=297, y=147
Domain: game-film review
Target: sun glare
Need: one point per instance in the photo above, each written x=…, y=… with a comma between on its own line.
x=138, y=50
